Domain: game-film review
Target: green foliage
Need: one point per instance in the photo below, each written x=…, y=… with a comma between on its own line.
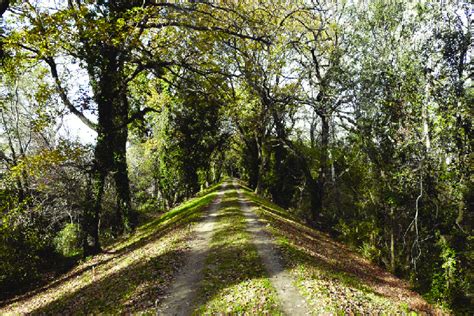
x=22, y=248
x=447, y=283
x=67, y=241
x=363, y=236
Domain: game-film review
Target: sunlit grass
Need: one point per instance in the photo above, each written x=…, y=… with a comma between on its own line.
x=326, y=289
x=130, y=276
x=186, y=212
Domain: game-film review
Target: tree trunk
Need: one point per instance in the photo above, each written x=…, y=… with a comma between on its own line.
x=425, y=118
x=312, y=131
x=261, y=166
x=90, y=218
x=321, y=182
x=126, y=217
x=110, y=151
x=392, y=241
x=253, y=163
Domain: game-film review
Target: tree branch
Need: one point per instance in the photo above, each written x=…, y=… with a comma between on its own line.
x=140, y=114
x=62, y=93
x=209, y=29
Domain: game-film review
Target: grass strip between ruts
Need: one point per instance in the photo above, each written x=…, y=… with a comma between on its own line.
x=235, y=280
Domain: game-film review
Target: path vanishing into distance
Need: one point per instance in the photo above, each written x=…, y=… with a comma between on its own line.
x=226, y=251
x=184, y=291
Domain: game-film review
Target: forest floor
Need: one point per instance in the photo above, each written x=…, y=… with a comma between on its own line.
x=225, y=251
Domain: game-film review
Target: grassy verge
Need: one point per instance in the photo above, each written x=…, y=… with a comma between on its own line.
x=131, y=276
x=235, y=280
x=333, y=279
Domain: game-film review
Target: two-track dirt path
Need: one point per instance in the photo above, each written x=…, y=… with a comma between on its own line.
x=182, y=296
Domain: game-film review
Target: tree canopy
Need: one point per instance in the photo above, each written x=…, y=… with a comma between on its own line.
x=356, y=116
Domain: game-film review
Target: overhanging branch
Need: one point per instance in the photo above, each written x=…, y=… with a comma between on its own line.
x=62, y=93
x=203, y=28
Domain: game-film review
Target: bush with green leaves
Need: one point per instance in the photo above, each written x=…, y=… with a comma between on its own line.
x=447, y=281
x=67, y=241
x=21, y=246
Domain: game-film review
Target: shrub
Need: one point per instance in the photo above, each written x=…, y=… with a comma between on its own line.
x=447, y=282
x=67, y=241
